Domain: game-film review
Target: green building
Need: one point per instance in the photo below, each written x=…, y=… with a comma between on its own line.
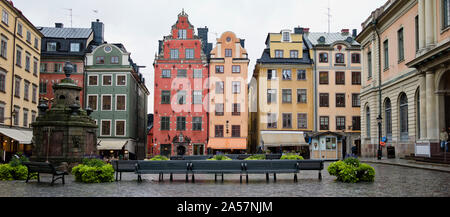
x=116, y=92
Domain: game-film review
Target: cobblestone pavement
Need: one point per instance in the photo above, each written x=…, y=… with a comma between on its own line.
x=390, y=181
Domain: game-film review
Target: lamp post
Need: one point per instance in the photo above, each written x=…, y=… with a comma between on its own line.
x=379, y=120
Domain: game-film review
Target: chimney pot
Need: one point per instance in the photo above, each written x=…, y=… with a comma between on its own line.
x=59, y=25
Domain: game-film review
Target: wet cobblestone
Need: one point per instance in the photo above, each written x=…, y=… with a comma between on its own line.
x=390, y=181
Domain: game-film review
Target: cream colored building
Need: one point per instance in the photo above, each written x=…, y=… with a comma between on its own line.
x=337, y=85
x=405, y=77
x=19, y=80
x=228, y=95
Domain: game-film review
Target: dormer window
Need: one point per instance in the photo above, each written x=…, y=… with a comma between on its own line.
x=286, y=36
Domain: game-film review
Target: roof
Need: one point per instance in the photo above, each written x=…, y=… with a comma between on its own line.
x=52, y=32
x=330, y=38
x=265, y=58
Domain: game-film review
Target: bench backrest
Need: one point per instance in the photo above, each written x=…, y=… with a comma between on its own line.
x=150, y=165
x=243, y=156
x=216, y=165
x=41, y=167
x=311, y=164
x=197, y=157
x=257, y=165
x=284, y=164
x=179, y=165
x=124, y=165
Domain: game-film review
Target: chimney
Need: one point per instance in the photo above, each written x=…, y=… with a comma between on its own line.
x=242, y=41
x=59, y=25
x=160, y=46
x=305, y=30
x=99, y=31
x=355, y=33
x=345, y=31
x=203, y=34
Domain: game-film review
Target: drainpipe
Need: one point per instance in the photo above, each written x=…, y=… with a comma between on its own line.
x=374, y=23
x=13, y=72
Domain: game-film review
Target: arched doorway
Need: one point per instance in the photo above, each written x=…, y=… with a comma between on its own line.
x=181, y=150
x=443, y=92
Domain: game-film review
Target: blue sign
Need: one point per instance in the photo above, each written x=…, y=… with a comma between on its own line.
x=384, y=139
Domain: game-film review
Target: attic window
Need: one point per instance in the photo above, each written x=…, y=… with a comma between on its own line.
x=321, y=39
x=286, y=37
x=108, y=49
x=349, y=40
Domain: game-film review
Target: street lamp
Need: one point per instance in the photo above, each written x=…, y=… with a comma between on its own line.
x=379, y=120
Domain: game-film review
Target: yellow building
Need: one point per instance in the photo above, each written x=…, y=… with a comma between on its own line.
x=19, y=80
x=283, y=86
x=228, y=107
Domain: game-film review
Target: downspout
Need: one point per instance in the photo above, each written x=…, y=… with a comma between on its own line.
x=13, y=72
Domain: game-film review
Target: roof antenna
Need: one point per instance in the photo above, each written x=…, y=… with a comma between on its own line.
x=70, y=9
x=329, y=16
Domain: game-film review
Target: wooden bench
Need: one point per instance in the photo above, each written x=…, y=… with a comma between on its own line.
x=161, y=167
x=121, y=166
x=312, y=165
x=216, y=167
x=271, y=166
x=43, y=167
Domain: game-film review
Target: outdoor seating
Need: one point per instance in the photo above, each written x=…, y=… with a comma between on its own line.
x=44, y=167
x=312, y=165
x=161, y=167
x=123, y=166
x=217, y=167
x=271, y=166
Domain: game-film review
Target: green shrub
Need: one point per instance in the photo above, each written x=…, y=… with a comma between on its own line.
x=352, y=161
x=159, y=157
x=5, y=172
x=256, y=157
x=94, y=171
x=220, y=157
x=19, y=172
x=348, y=172
x=365, y=173
x=291, y=156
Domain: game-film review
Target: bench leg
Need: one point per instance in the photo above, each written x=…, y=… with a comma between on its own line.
x=187, y=178
x=193, y=178
x=117, y=174
x=162, y=176
x=215, y=177
x=139, y=178
x=320, y=175
x=28, y=177
x=53, y=180
x=267, y=177
x=120, y=176
x=222, y=177
x=63, y=180
x=246, y=178
x=39, y=179
x=240, y=178
x=274, y=177
x=295, y=177
x=171, y=177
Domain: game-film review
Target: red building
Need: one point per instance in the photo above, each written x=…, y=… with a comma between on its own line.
x=180, y=106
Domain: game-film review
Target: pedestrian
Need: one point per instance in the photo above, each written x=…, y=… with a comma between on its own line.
x=443, y=136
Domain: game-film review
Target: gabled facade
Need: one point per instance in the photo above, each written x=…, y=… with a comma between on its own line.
x=116, y=92
x=19, y=80
x=228, y=96
x=337, y=83
x=181, y=105
x=284, y=78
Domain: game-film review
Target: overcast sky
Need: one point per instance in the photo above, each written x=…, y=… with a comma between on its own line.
x=139, y=24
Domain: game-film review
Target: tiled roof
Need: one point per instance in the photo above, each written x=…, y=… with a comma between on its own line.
x=330, y=38
x=52, y=32
x=265, y=58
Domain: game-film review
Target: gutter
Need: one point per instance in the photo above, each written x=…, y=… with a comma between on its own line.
x=13, y=72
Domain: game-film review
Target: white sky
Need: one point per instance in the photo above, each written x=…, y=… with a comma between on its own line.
x=139, y=24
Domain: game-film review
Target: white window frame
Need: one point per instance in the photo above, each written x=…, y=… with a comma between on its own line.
x=124, y=127
x=75, y=43
x=273, y=74
x=101, y=127
x=5, y=17
x=102, y=102
x=238, y=90
x=96, y=101
x=89, y=80
x=117, y=80
x=50, y=43
x=103, y=79
x=117, y=104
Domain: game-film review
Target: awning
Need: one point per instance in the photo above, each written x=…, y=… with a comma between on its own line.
x=283, y=138
x=227, y=143
x=112, y=144
x=22, y=136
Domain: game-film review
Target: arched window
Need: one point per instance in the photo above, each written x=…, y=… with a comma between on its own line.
x=403, y=111
x=368, y=122
x=388, y=118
